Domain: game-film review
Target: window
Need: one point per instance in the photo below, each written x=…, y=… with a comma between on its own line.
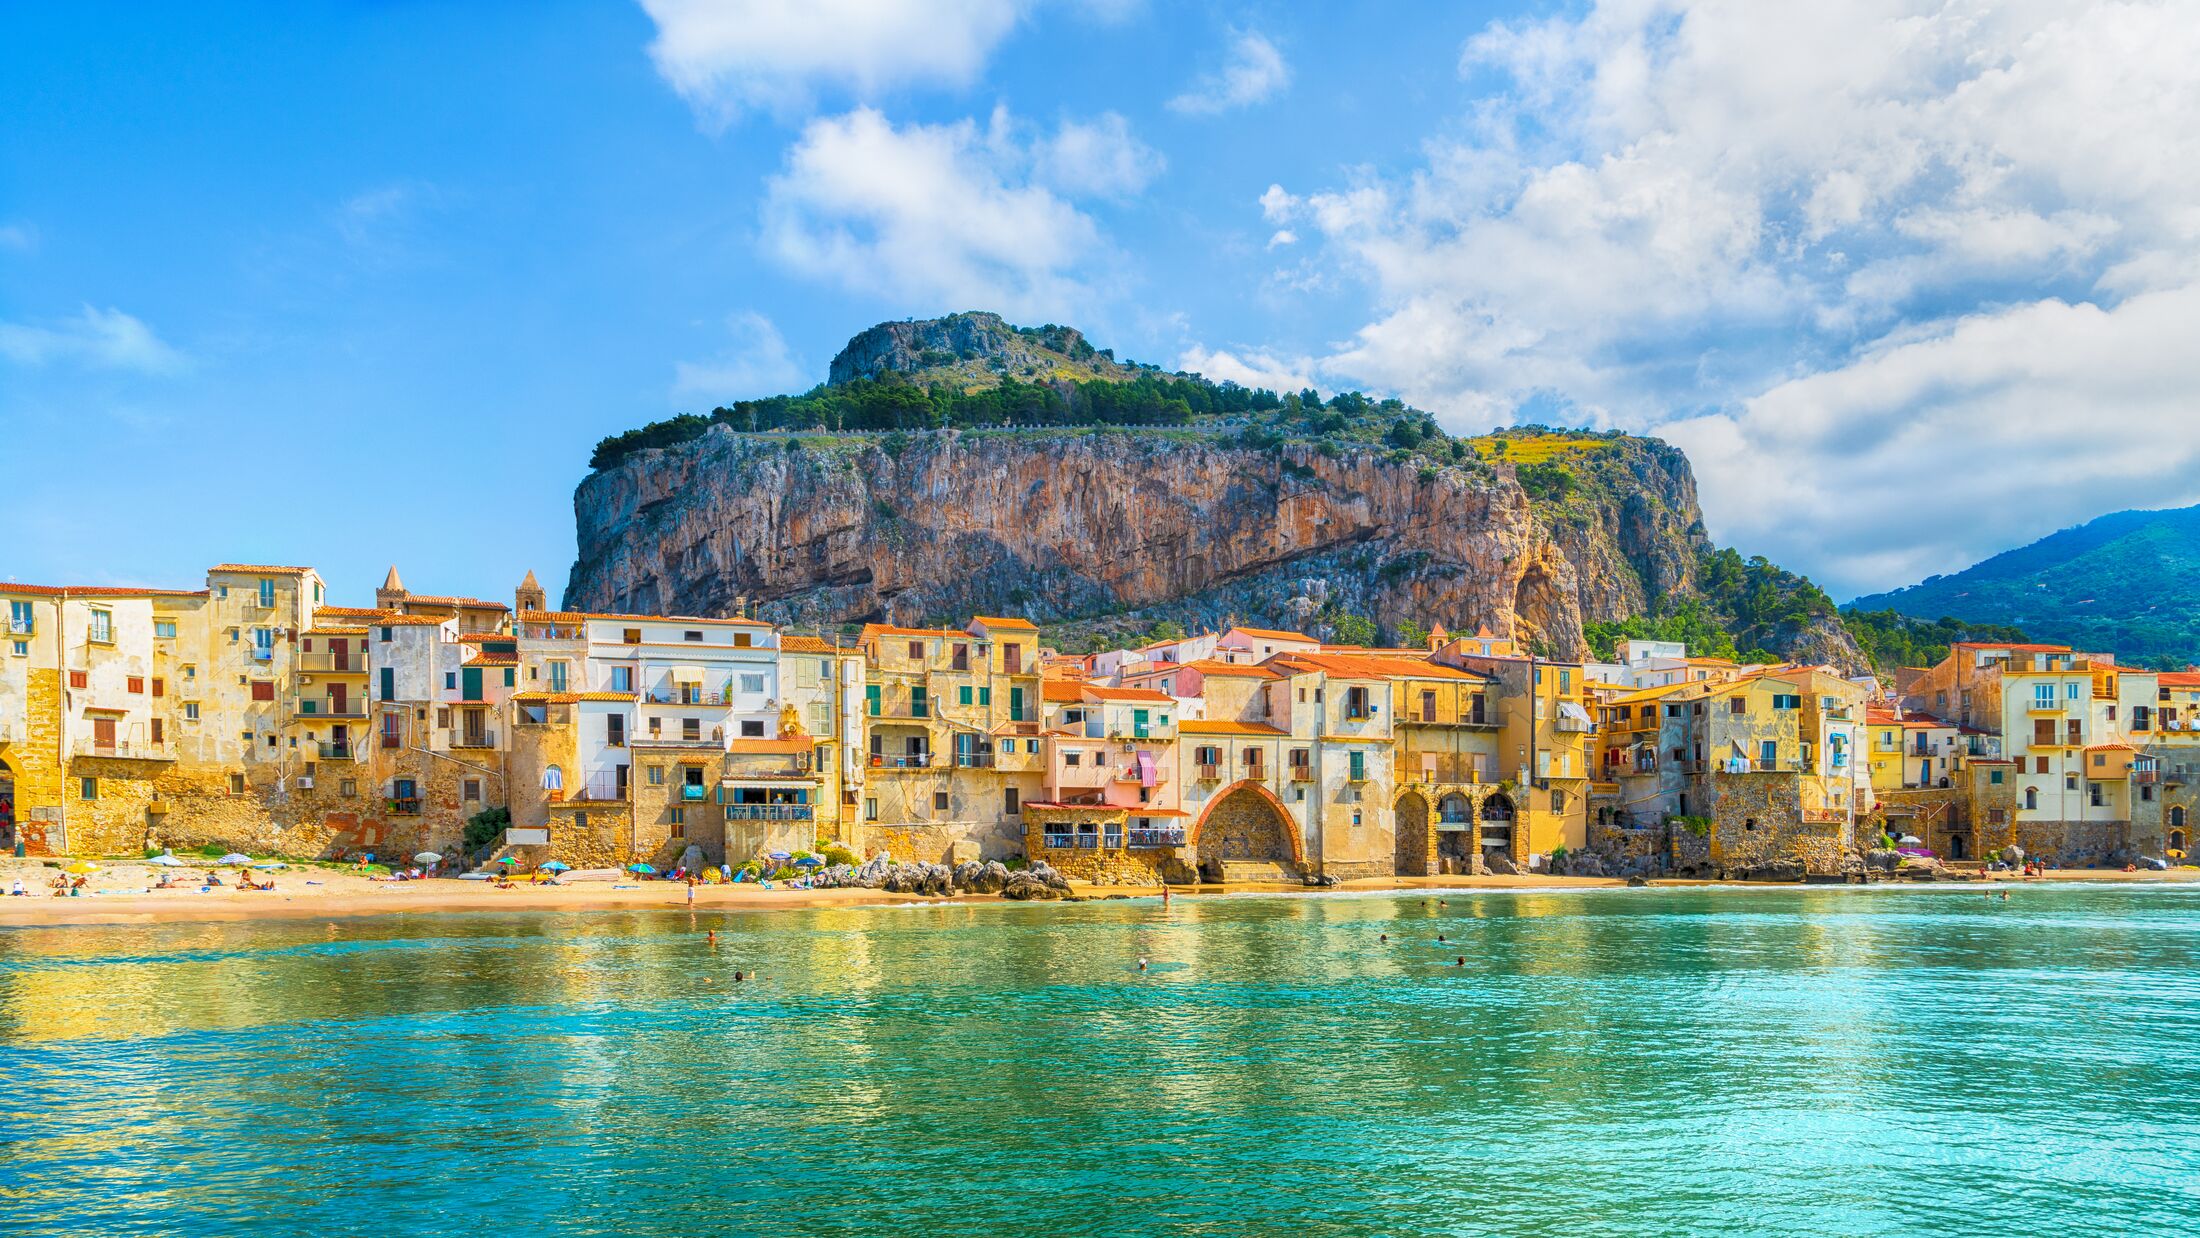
x=1008, y=802
x=742, y=640
x=1358, y=767
x=2070, y=782
x=939, y=801
x=655, y=774
x=1030, y=745
x=81, y=679
x=614, y=730
x=631, y=636
x=916, y=651
x=450, y=681
x=236, y=784
x=622, y=679
x=691, y=635
x=752, y=729
x=22, y=649
x=677, y=817
x=1783, y=701
x=1993, y=777
x=160, y=687
x=87, y=788
x=1736, y=705
x=470, y=789
x=160, y=733
x=1073, y=758
x=870, y=700
x=191, y=711
x=136, y=684
x=384, y=633
x=753, y=684
x=103, y=631
x=164, y=629
x=21, y=619
x=1008, y=747
x=870, y=809
x=963, y=695
x=263, y=690
x=985, y=697
x=267, y=593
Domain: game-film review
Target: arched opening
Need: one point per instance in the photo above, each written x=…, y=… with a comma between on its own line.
x=2177, y=814
x=2031, y=799
x=1496, y=833
x=1957, y=848
x=1244, y=825
x=1415, y=848
x=7, y=809
x=2177, y=840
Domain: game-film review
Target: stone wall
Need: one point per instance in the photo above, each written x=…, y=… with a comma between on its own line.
x=1757, y=821
x=2075, y=844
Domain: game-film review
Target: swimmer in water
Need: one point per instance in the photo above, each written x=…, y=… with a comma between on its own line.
x=1141, y=962
x=1440, y=937
x=1386, y=937
x=737, y=977
x=1462, y=961
x=714, y=937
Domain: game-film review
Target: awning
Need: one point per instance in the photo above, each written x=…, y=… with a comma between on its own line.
x=1146, y=775
x=1567, y=709
x=687, y=674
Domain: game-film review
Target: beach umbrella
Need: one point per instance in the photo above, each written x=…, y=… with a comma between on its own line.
x=234, y=857
x=506, y=860
x=780, y=856
x=556, y=866
x=81, y=867
x=640, y=868
x=808, y=861
x=1911, y=840
x=427, y=857
x=166, y=861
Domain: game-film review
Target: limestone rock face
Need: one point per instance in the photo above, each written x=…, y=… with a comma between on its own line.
x=1063, y=525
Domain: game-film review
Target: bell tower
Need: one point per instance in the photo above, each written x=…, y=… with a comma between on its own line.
x=529, y=596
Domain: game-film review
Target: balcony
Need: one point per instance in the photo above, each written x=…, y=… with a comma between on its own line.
x=341, y=752
x=1478, y=720
x=698, y=742
x=325, y=663
x=694, y=792
x=975, y=759
x=128, y=750
x=1172, y=837
x=697, y=697
x=1256, y=772
x=22, y=627
x=770, y=812
x=602, y=787
x=263, y=653
x=919, y=760
x=2039, y=706
x=310, y=707
x=1070, y=842
x=1301, y=772
x=1208, y=773
x=404, y=805
x=457, y=738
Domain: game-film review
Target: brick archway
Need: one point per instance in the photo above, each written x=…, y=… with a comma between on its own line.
x=1237, y=793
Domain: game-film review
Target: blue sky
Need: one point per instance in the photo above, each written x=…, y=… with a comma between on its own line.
x=353, y=284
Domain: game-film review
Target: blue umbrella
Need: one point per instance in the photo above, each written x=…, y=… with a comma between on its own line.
x=556, y=866
x=780, y=856
x=808, y=861
x=641, y=868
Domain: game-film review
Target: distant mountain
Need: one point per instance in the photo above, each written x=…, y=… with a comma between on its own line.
x=2127, y=583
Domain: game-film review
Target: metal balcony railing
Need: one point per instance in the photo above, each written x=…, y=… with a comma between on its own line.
x=459, y=738
x=697, y=697
x=976, y=759
x=340, y=752
x=326, y=663
x=1158, y=838
x=22, y=627
x=770, y=812
x=315, y=707
x=921, y=760
x=1070, y=842
x=129, y=749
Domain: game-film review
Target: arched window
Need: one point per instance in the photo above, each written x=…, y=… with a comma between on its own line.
x=2177, y=840
x=2031, y=798
x=2177, y=814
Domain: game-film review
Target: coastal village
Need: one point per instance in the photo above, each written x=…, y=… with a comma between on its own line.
x=249, y=714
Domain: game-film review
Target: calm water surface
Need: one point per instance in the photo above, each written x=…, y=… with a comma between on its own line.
x=1623, y=1062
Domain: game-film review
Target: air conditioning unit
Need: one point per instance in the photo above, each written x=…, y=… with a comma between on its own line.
x=305, y=782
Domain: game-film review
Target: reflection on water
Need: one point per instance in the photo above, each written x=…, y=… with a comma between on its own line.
x=1649, y=1061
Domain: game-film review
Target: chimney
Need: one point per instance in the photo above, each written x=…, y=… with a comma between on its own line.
x=740, y=605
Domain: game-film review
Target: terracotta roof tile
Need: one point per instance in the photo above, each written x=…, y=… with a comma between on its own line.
x=1272, y=634
x=791, y=643
x=262, y=569
x=996, y=621
x=1209, y=726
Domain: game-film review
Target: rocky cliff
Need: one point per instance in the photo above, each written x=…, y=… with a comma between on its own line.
x=1177, y=500
x=1075, y=524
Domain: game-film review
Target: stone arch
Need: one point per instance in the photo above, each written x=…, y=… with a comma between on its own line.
x=2177, y=814
x=1416, y=841
x=7, y=808
x=1497, y=824
x=1241, y=832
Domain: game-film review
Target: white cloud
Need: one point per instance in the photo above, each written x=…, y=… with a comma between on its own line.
x=21, y=238
x=946, y=216
x=1282, y=236
x=727, y=56
x=1767, y=212
x=97, y=339
x=1933, y=453
x=1100, y=158
x=1252, y=71
x=756, y=362
x=1254, y=369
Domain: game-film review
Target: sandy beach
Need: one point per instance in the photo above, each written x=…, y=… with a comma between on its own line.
x=123, y=892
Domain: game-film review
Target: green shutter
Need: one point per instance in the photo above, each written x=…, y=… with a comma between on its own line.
x=389, y=683
x=870, y=699
x=510, y=673
x=1138, y=723
x=985, y=696
x=472, y=688
x=962, y=694
x=1015, y=704
x=1359, y=766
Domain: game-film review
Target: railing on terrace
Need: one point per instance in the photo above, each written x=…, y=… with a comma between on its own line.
x=404, y=805
x=600, y=788
x=697, y=740
x=1173, y=837
x=1070, y=842
x=697, y=697
x=129, y=749
x=340, y=752
x=314, y=707
x=22, y=627
x=975, y=759
x=472, y=739
x=1258, y=772
x=1209, y=773
x=921, y=760
x=327, y=663
x=769, y=812
x=1448, y=769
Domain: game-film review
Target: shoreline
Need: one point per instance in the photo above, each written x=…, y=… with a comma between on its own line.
x=331, y=894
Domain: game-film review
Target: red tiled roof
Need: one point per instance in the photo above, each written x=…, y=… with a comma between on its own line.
x=1215, y=666
x=1272, y=634
x=1147, y=695
x=1206, y=726
x=995, y=621
x=261, y=568
x=98, y=591
x=791, y=643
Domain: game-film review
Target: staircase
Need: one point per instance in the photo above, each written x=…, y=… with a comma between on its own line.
x=1235, y=872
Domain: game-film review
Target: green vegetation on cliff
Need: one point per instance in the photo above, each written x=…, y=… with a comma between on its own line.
x=1891, y=639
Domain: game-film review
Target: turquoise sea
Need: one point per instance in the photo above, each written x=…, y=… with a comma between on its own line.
x=1660, y=1061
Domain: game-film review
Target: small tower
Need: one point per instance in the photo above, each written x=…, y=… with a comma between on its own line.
x=529, y=596
x=392, y=594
